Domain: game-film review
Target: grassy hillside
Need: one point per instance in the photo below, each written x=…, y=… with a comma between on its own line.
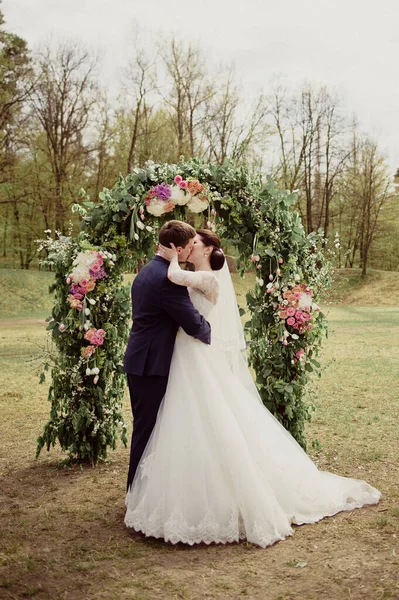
x=25, y=293
x=378, y=288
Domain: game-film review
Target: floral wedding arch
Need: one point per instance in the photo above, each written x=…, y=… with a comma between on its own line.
x=90, y=317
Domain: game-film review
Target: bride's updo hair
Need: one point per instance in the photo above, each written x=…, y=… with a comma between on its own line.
x=217, y=257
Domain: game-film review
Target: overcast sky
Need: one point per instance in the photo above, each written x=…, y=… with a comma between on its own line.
x=350, y=45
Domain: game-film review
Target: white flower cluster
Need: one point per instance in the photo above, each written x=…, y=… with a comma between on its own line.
x=196, y=205
x=57, y=249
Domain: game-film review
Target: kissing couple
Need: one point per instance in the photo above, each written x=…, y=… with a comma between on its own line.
x=209, y=463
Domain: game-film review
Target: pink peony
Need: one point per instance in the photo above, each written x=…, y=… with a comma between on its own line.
x=178, y=179
x=290, y=320
x=89, y=334
x=88, y=351
x=96, y=267
x=74, y=302
x=183, y=185
x=290, y=311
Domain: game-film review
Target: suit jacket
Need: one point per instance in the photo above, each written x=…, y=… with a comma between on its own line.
x=159, y=307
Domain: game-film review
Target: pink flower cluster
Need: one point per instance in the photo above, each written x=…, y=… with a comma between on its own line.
x=181, y=182
x=88, y=267
x=163, y=198
x=95, y=336
x=297, y=308
x=88, y=351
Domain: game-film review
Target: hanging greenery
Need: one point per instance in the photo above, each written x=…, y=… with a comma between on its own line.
x=89, y=322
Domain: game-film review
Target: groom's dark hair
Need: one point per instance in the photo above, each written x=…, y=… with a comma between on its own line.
x=177, y=233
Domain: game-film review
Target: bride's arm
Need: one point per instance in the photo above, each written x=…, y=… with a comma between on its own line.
x=203, y=280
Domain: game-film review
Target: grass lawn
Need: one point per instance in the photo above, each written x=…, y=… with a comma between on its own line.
x=62, y=534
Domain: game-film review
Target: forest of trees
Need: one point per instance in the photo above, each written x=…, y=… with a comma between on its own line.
x=61, y=130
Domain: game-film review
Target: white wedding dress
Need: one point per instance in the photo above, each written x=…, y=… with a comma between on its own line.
x=218, y=466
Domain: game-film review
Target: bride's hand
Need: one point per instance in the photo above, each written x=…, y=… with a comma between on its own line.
x=167, y=253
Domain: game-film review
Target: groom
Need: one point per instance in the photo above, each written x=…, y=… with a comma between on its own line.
x=159, y=307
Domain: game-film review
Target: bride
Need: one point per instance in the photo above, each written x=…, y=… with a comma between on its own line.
x=218, y=466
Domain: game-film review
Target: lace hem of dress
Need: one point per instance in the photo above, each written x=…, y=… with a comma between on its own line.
x=209, y=530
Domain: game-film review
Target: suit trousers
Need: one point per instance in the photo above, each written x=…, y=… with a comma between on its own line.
x=146, y=393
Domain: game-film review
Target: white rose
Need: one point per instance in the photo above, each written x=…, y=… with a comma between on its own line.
x=92, y=301
x=196, y=205
x=178, y=196
x=88, y=371
x=95, y=371
x=156, y=208
x=305, y=301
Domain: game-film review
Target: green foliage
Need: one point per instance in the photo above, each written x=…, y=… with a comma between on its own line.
x=85, y=414
x=258, y=222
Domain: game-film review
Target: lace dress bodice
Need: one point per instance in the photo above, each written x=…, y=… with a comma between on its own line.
x=203, y=286
x=201, y=303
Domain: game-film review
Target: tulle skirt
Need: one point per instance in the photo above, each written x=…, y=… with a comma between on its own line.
x=219, y=467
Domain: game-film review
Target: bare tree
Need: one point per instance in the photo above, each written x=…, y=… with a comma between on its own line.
x=313, y=142
x=368, y=186
x=140, y=81
x=187, y=91
x=220, y=121
x=63, y=101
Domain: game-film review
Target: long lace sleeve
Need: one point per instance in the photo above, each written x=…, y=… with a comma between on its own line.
x=204, y=281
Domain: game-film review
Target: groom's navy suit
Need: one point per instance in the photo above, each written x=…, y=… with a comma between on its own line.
x=159, y=307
